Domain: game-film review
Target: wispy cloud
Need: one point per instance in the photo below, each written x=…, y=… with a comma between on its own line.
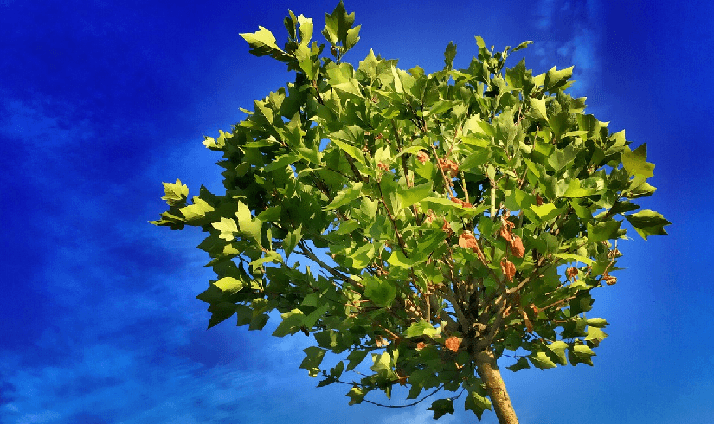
x=571, y=34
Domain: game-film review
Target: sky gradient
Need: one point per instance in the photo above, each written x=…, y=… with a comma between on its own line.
x=101, y=102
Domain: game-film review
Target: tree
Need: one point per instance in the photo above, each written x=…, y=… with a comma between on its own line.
x=433, y=221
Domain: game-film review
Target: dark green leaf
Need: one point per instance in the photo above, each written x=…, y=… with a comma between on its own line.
x=291, y=323
x=355, y=358
x=648, y=223
x=356, y=394
x=441, y=407
x=521, y=364
x=314, y=357
x=450, y=52
x=379, y=291
x=477, y=403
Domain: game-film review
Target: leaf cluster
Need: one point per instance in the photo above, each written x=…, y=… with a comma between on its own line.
x=408, y=221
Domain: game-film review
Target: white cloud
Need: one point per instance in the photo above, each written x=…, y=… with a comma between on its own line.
x=572, y=34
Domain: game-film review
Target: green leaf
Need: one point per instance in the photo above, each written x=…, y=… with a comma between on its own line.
x=340, y=77
x=398, y=259
x=475, y=159
x=281, y=162
x=230, y=285
x=450, y=52
x=197, y=210
x=545, y=211
x=635, y=162
x=597, y=322
x=441, y=407
x=291, y=240
x=557, y=79
x=562, y=157
x=175, y=194
x=557, y=348
x=541, y=360
x=272, y=214
x=602, y=231
x=313, y=359
x=648, y=223
x=262, y=42
x=477, y=403
x=356, y=394
x=305, y=28
x=415, y=194
x=352, y=37
x=574, y=257
x=382, y=364
x=355, y=358
x=220, y=311
x=244, y=315
x=350, y=136
x=521, y=364
x=291, y=323
x=576, y=190
x=420, y=328
x=347, y=227
x=228, y=228
x=522, y=45
x=539, y=106
x=337, y=25
x=249, y=226
x=581, y=354
x=345, y=196
x=595, y=334
x=641, y=189
x=379, y=291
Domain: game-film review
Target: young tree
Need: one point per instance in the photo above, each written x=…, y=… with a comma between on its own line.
x=433, y=221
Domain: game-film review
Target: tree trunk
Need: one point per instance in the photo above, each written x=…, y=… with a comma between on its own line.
x=490, y=375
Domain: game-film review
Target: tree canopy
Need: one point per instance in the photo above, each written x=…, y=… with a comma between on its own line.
x=417, y=226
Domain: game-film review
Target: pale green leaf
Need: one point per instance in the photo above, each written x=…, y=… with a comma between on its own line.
x=576, y=190
x=574, y=257
x=198, y=209
x=539, y=106
x=175, y=193
x=230, y=284
x=420, y=328
x=228, y=228
x=541, y=360
x=597, y=322
x=635, y=162
x=543, y=210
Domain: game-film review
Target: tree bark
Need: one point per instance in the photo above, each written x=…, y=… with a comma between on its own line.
x=490, y=375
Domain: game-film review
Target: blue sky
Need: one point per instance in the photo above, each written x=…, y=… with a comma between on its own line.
x=102, y=102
